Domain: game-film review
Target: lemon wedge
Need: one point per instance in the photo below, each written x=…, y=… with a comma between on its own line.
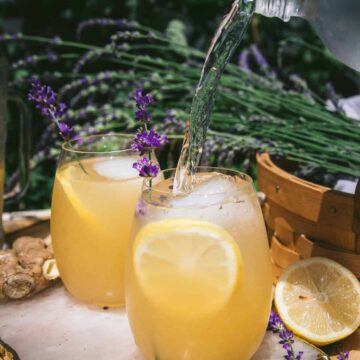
x=186, y=267
x=65, y=179
x=319, y=300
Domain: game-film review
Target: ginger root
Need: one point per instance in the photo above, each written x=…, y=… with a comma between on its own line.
x=21, y=269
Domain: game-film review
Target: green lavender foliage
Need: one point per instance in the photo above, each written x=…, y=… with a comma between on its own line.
x=252, y=112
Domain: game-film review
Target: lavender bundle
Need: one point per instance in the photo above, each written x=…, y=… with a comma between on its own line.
x=254, y=111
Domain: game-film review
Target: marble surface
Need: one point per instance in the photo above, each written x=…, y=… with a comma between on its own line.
x=53, y=326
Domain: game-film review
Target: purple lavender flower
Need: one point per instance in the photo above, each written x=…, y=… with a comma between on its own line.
x=286, y=337
x=290, y=355
x=244, y=60
x=141, y=99
x=103, y=22
x=66, y=131
x=142, y=103
x=143, y=115
x=146, y=168
x=275, y=324
x=343, y=356
x=45, y=99
x=148, y=140
x=262, y=62
x=259, y=58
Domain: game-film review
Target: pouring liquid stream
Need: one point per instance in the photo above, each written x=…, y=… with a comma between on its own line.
x=223, y=46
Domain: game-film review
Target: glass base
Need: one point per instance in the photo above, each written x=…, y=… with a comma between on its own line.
x=102, y=305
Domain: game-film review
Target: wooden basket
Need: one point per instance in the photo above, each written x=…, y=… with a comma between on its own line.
x=304, y=219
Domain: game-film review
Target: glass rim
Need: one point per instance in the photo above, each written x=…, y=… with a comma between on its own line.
x=66, y=146
x=200, y=169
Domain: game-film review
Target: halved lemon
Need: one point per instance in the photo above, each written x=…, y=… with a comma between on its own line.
x=65, y=179
x=319, y=300
x=187, y=267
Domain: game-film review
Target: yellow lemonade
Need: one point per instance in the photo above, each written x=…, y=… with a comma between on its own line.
x=199, y=277
x=92, y=215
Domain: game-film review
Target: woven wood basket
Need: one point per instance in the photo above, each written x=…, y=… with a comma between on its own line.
x=304, y=219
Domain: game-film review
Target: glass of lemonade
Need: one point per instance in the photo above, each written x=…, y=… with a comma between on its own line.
x=93, y=204
x=198, y=282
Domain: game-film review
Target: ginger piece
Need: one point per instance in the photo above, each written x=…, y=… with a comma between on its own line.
x=50, y=270
x=18, y=286
x=21, y=270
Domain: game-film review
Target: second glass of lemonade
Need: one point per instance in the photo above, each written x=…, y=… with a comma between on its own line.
x=93, y=205
x=198, y=276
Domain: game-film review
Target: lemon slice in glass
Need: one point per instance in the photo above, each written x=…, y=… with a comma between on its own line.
x=187, y=267
x=319, y=300
x=66, y=179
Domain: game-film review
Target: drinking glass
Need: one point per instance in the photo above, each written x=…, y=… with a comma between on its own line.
x=198, y=282
x=93, y=203
x=24, y=143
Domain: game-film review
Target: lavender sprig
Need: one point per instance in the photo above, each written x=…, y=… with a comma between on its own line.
x=146, y=168
x=146, y=140
x=142, y=103
x=343, y=356
x=286, y=337
x=45, y=99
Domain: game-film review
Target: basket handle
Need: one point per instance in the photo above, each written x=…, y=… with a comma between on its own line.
x=356, y=224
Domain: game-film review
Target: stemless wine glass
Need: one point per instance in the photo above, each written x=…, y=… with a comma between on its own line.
x=198, y=282
x=94, y=199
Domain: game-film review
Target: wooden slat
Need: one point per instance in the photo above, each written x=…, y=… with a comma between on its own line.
x=298, y=224
x=283, y=189
x=282, y=255
x=302, y=197
x=284, y=231
x=307, y=248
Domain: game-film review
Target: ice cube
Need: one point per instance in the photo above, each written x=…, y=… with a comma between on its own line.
x=209, y=190
x=218, y=199
x=117, y=169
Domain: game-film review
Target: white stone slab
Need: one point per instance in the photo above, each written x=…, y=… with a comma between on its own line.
x=54, y=326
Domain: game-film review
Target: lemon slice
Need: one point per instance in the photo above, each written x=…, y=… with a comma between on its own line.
x=65, y=180
x=319, y=300
x=187, y=267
